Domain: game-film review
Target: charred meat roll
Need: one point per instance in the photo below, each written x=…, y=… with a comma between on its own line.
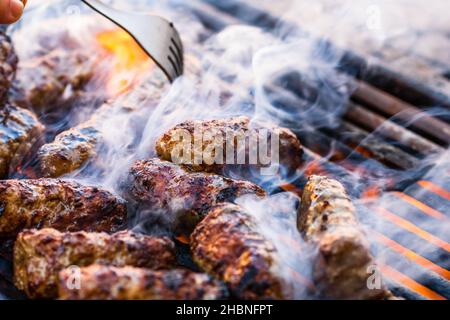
x=69, y=151
x=178, y=198
x=206, y=144
x=20, y=134
x=75, y=147
x=227, y=245
x=8, y=65
x=128, y=283
x=63, y=205
x=39, y=255
x=328, y=220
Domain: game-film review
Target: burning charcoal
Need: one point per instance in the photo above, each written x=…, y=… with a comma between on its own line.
x=327, y=219
x=8, y=65
x=20, y=133
x=63, y=205
x=229, y=131
x=129, y=283
x=179, y=197
x=74, y=148
x=227, y=245
x=40, y=255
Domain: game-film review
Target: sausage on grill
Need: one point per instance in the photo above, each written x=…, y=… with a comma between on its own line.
x=20, y=134
x=327, y=219
x=227, y=245
x=39, y=255
x=63, y=205
x=178, y=197
x=75, y=147
x=70, y=150
x=53, y=79
x=128, y=283
x=8, y=65
x=52, y=72
x=229, y=131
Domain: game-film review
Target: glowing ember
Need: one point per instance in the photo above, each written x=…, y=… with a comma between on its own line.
x=130, y=61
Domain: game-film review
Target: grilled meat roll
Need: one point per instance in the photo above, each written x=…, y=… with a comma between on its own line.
x=54, y=73
x=129, y=283
x=328, y=220
x=73, y=148
x=39, y=255
x=63, y=205
x=177, y=197
x=220, y=135
x=227, y=245
x=20, y=134
x=8, y=65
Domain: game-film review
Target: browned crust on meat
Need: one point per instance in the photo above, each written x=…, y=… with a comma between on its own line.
x=226, y=245
x=75, y=147
x=129, y=283
x=184, y=197
x=328, y=220
x=231, y=129
x=39, y=255
x=63, y=205
x=20, y=134
x=8, y=65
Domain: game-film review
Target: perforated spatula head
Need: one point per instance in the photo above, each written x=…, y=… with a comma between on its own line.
x=157, y=36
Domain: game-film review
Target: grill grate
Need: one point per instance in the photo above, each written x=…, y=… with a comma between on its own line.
x=385, y=127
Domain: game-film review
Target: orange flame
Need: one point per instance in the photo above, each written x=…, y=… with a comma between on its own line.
x=183, y=239
x=130, y=62
x=292, y=188
x=371, y=192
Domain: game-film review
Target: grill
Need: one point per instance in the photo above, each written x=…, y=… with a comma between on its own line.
x=386, y=128
x=386, y=148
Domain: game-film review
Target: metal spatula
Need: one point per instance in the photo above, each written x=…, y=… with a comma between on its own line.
x=157, y=36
